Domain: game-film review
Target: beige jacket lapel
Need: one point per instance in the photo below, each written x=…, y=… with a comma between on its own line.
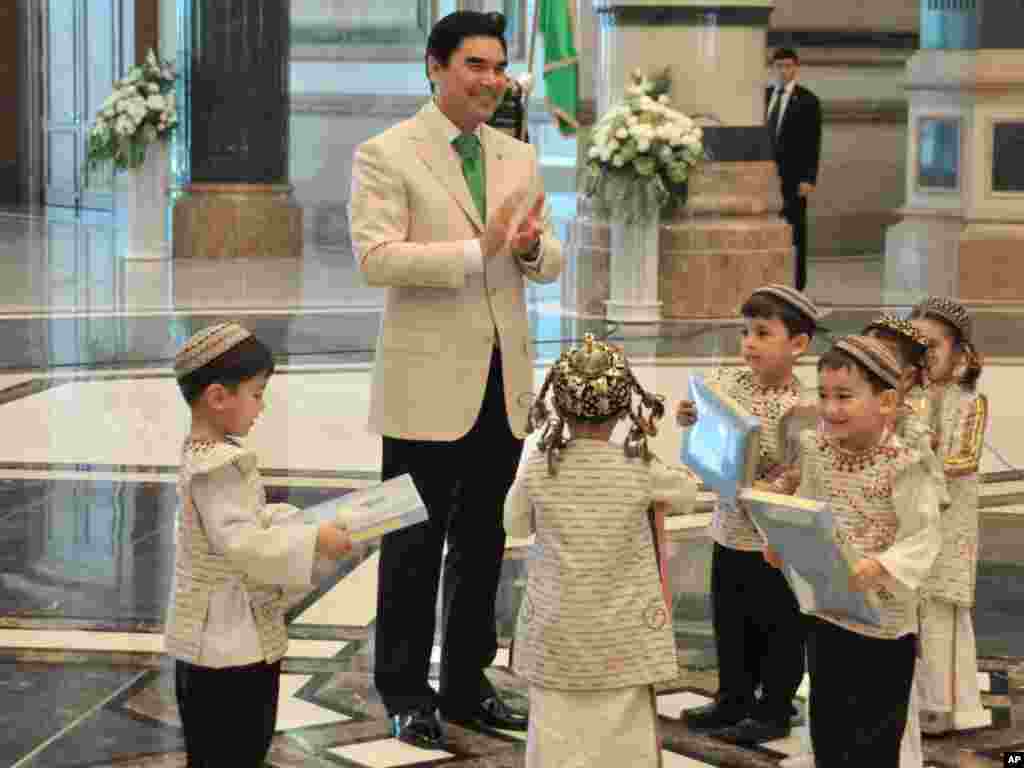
x=494, y=170
x=433, y=149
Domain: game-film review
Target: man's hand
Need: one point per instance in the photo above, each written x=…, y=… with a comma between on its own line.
x=866, y=574
x=804, y=189
x=498, y=233
x=530, y=229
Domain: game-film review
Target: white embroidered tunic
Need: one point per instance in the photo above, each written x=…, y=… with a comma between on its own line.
x=885, y=504
x=914, y=426
x=962, y=418
x=730, y=522
x=236, y=559
x=594, y=615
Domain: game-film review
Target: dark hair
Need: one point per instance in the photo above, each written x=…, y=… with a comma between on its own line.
x=767, y=307
x=448, y=34
x=785, y=53
x=246, y=360
x=909, y=352
x=972, y=373
x=836, y=359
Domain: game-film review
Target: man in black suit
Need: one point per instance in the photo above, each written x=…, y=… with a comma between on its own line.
x=793, y=114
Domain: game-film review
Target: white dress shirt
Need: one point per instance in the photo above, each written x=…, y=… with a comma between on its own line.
x=787, y=92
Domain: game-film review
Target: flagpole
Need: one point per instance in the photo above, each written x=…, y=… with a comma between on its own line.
x=533, y=34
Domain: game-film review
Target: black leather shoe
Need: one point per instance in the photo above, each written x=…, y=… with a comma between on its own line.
x=717, y=714
x=492, y=712
x=420, y=728
x=749, y=732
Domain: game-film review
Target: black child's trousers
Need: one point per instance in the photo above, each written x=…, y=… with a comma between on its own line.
x=759, y=634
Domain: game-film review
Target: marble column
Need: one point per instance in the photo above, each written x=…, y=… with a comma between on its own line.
x=237, y=202
x=729, y=238
x=962, y=230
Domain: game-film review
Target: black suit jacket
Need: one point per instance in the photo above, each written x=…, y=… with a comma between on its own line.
x=798, y=144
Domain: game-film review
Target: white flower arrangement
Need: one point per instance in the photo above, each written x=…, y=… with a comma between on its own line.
x=139, y=112
x=641, y=152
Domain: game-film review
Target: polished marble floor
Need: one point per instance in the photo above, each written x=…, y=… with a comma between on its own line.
x=92, y=421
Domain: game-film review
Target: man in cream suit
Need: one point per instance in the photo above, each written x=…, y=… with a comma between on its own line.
x=448, y=214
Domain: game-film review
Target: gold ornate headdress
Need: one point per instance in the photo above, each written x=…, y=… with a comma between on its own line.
x=900, y=327
x=593, y=382
x=948, y=310
x=955, y=315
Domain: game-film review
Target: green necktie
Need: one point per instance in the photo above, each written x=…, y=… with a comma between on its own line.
x=468, y=147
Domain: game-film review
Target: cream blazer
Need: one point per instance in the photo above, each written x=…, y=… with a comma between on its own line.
x=410, y=212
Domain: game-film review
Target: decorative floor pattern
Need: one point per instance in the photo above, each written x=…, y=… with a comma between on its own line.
x=93, y=421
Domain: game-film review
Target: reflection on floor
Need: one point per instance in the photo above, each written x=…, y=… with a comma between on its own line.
x=94, y=420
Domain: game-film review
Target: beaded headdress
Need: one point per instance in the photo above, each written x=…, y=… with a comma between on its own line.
x=948, y=310
x=900, y=327
x=593, y=382
x=955, y=315
x=794, y=298
x=207, y=345
x=873, y=355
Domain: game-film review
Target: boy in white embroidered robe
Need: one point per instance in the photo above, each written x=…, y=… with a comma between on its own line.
x=759, y=633
x=236, y=558
x=885, y=504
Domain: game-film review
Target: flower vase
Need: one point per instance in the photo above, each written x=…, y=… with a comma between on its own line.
x=142, y=194
x=634, y=271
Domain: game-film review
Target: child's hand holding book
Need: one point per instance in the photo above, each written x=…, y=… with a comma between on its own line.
x=686, y=413
x=332, y=541
x=867, y=574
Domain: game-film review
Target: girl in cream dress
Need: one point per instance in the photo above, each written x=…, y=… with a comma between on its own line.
x=594, y=632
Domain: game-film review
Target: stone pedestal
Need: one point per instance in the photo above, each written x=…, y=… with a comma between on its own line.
x=729, y=238
x=142, y=194
x=224, y=221
x=237, y=202
x=922, y=256
x=963, y=223
x=728, y=241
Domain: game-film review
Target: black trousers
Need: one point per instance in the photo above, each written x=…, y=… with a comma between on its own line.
x=463, y=483
x=860, y=695
x=228, y=714
x=794, y=211
x=759, y=634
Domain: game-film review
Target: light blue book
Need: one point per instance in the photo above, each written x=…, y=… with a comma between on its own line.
x=370, y=513
x=816, y=565
x=722, y=448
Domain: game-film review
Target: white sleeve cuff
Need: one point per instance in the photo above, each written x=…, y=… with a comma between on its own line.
x=474, y=257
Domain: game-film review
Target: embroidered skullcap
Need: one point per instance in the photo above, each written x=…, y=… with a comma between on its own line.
x=900, y=327
x=592, y=381
x=207, y=345
x=873, y=355
x=950, y=311
x=794, y=298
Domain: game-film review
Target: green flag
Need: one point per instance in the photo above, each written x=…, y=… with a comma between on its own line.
x=556, y=22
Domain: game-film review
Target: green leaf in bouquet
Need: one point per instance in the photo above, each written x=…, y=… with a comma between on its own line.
x=644, y=165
